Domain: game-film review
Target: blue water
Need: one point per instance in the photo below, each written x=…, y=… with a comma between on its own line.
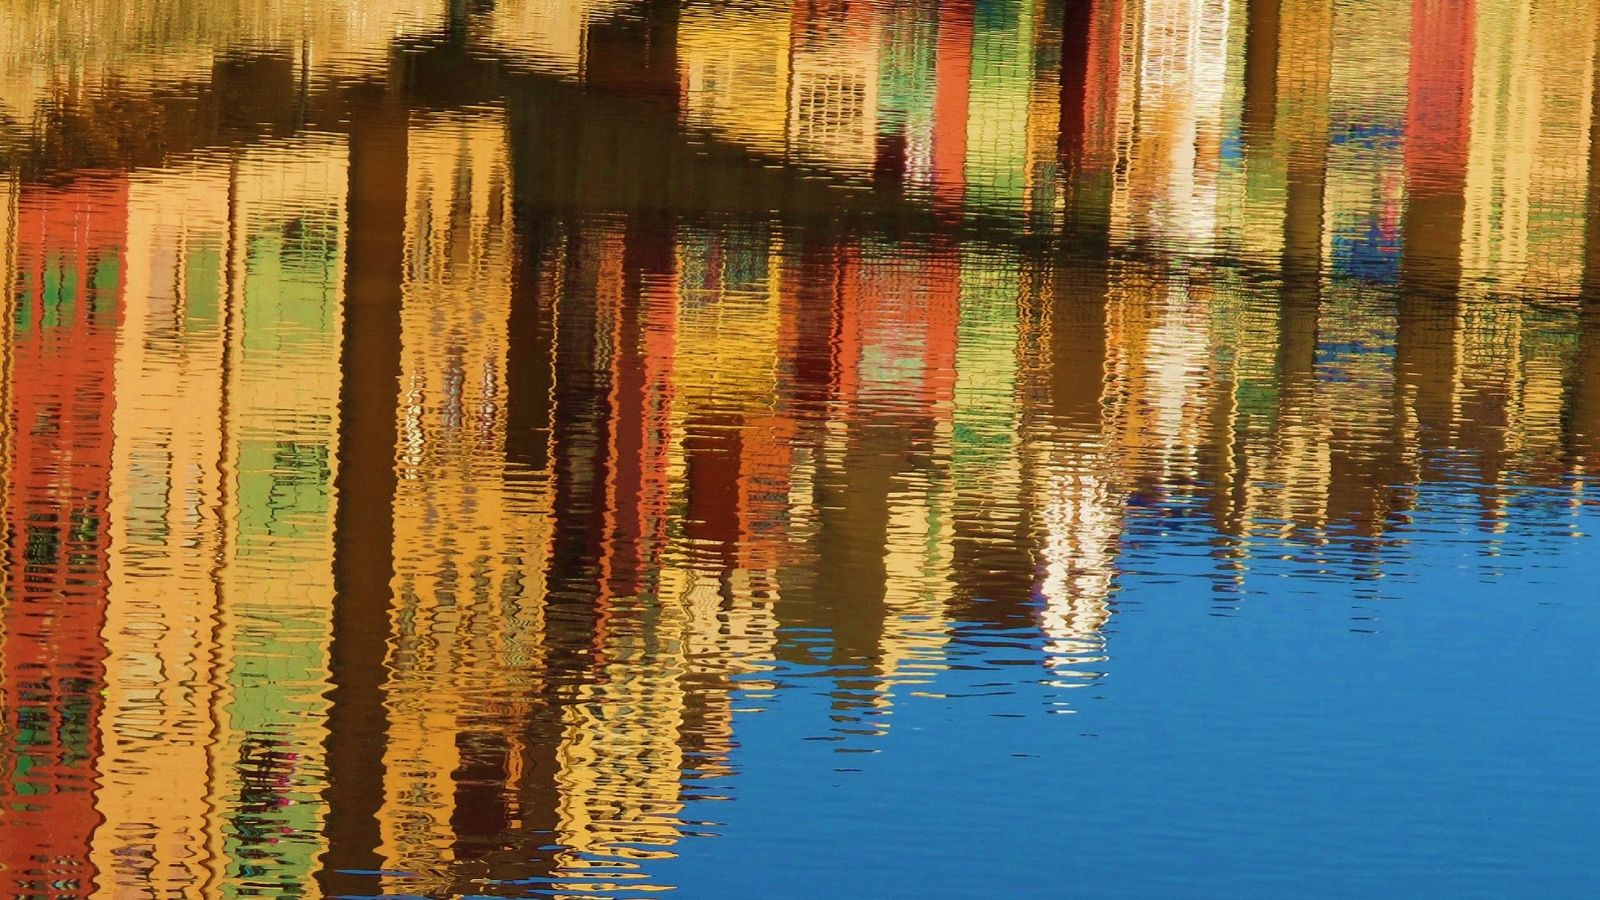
x=1430, y=733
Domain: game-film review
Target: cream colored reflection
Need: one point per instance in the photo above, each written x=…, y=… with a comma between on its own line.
x=550, y=35
x=219, y=612
x=67, y=45
x=1170, y=127
x=1159, y=366
x=1527, y=173
x=735, y=70
x=1074, y=472
x=468, y=616
x=1081, y=514
x=833, y=98
x=917, y=560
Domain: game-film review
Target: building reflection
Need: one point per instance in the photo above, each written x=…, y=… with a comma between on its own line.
x=405, y=483
x=66, y=302
x=215, y=594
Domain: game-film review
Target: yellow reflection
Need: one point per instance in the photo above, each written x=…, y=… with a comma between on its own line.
x=167, y=492
x=549, y=34
x=622, y=752
x=736, y=71
x=1527, y=173
x=48, y=46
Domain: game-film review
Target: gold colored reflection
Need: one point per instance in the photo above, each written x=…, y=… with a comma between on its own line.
x=51, y=48
x=549, y=34
x=736, y=73
x=468, y=612
x=1527, y=176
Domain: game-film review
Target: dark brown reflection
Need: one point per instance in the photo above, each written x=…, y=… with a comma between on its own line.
x=1262, y=34
x=364, y=529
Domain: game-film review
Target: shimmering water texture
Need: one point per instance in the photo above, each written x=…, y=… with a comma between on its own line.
x=1025, y=448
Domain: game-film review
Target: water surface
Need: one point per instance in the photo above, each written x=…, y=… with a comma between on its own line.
x=1110, y=448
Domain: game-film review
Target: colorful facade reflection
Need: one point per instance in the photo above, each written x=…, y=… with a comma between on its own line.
x=1238, y=267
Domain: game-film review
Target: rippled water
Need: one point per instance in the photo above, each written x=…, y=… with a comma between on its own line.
x=602, y=447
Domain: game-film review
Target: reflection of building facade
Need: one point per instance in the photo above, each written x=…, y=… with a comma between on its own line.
x=51, y=49
x=735, y=72
x=997, y=107
x=907, y=85
x=952, y=83
x=1092, y=59
x=281, y=440
x=1366, y=163
x=64, y=307
x=1072, y=466
x=728, y=330
x=833, y=99
x=217, y=621
x=8, y=277
x=166, y=495
x=548, y=34
x=825, y=439
x=1171, y=147
x=467, y=553
x=1526, y=171
x=985, y=453
x=905, y=351
x=1269, y=433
